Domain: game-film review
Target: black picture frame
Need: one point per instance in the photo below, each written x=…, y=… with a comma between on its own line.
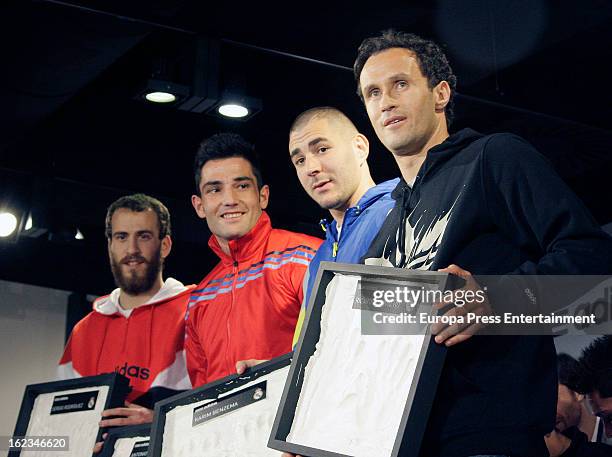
x=118, y=389
x=427, y=374
x=117, y=433
x=208, y=391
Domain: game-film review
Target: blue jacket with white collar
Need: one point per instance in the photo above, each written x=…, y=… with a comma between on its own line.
x=359, y=228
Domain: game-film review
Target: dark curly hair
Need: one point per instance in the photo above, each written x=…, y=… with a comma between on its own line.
x=569, y=372
x=432, y=61
x=139, y=203
x=596, y=361
x=225, y=146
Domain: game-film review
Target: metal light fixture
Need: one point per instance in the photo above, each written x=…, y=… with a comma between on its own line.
x=185, y=78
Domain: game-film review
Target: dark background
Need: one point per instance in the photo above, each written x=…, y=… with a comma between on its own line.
x=75, y=137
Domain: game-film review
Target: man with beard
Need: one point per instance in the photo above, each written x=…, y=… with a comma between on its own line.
x=138, y=330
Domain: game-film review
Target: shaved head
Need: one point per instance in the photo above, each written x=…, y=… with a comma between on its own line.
x=330, y=159
x=332, y=115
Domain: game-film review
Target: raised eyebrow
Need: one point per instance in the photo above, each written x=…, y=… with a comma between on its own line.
x=211, y=183
x=316, y=141
x=393, y=77
x=399, y=76
x=311, y=143
x=243, y=178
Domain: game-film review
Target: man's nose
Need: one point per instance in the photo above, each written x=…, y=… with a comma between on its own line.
x=388, y=101
x=133, y=247
x=230, y=197
x=313, y=166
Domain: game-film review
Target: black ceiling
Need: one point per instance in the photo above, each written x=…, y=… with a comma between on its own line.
x=74, y=138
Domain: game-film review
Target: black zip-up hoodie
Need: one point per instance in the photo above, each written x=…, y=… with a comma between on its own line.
x=494, y=206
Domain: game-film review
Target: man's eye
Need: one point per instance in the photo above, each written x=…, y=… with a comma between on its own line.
x=299, y=161
x=212, y=190
x=322, y=149
x=120, y=237
x=243, y=185
x=401, y=84
x=374, y=93
x=145, y=236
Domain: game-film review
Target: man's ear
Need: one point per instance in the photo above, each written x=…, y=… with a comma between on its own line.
x=361, y=145
x=166, y=246
x=197, y=205
x=264, y=196
x=442, y=93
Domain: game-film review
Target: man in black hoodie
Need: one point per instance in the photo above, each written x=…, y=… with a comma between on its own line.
x=490, y=205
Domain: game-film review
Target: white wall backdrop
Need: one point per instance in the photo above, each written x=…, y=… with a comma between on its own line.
x=32, y=326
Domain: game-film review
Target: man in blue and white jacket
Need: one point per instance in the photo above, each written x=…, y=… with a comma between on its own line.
x=330, y=158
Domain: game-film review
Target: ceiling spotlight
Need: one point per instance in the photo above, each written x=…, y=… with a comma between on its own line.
x=79, y=235
x=233, y=110
x=8, y=224
x=236, y=106
x=163, y=93
x=160, y=97
x=29, y=223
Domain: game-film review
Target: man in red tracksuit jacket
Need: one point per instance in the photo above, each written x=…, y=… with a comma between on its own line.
x=139, y=329
x=246, y=308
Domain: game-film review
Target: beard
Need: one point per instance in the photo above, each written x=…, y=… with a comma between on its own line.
x=133, y=283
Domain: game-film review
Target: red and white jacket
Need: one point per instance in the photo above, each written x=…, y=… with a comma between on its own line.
x=146, y=344
x=248, y=305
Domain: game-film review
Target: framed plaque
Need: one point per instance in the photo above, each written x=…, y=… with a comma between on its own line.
x=364, y=374
x=71, y=408
x=130, y=441
x=229, y=417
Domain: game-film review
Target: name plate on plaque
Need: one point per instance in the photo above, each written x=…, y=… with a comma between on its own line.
x=229, y=417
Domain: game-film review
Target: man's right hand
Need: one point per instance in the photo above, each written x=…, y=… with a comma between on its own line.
x=131, y=414
x=242, y=365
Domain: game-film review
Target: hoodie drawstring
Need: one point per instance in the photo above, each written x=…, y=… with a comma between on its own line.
x=150, y=336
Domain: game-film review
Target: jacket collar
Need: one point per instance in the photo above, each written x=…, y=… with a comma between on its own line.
x=109, y=304
x=247, y=245
x=372, y=195
x=439, y=154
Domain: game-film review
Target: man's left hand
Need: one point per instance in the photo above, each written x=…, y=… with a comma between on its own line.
x=456, y=333
x=131, y=414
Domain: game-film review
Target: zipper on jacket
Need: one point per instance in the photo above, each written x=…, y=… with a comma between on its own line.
x=336, y=244
x=231, y=363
